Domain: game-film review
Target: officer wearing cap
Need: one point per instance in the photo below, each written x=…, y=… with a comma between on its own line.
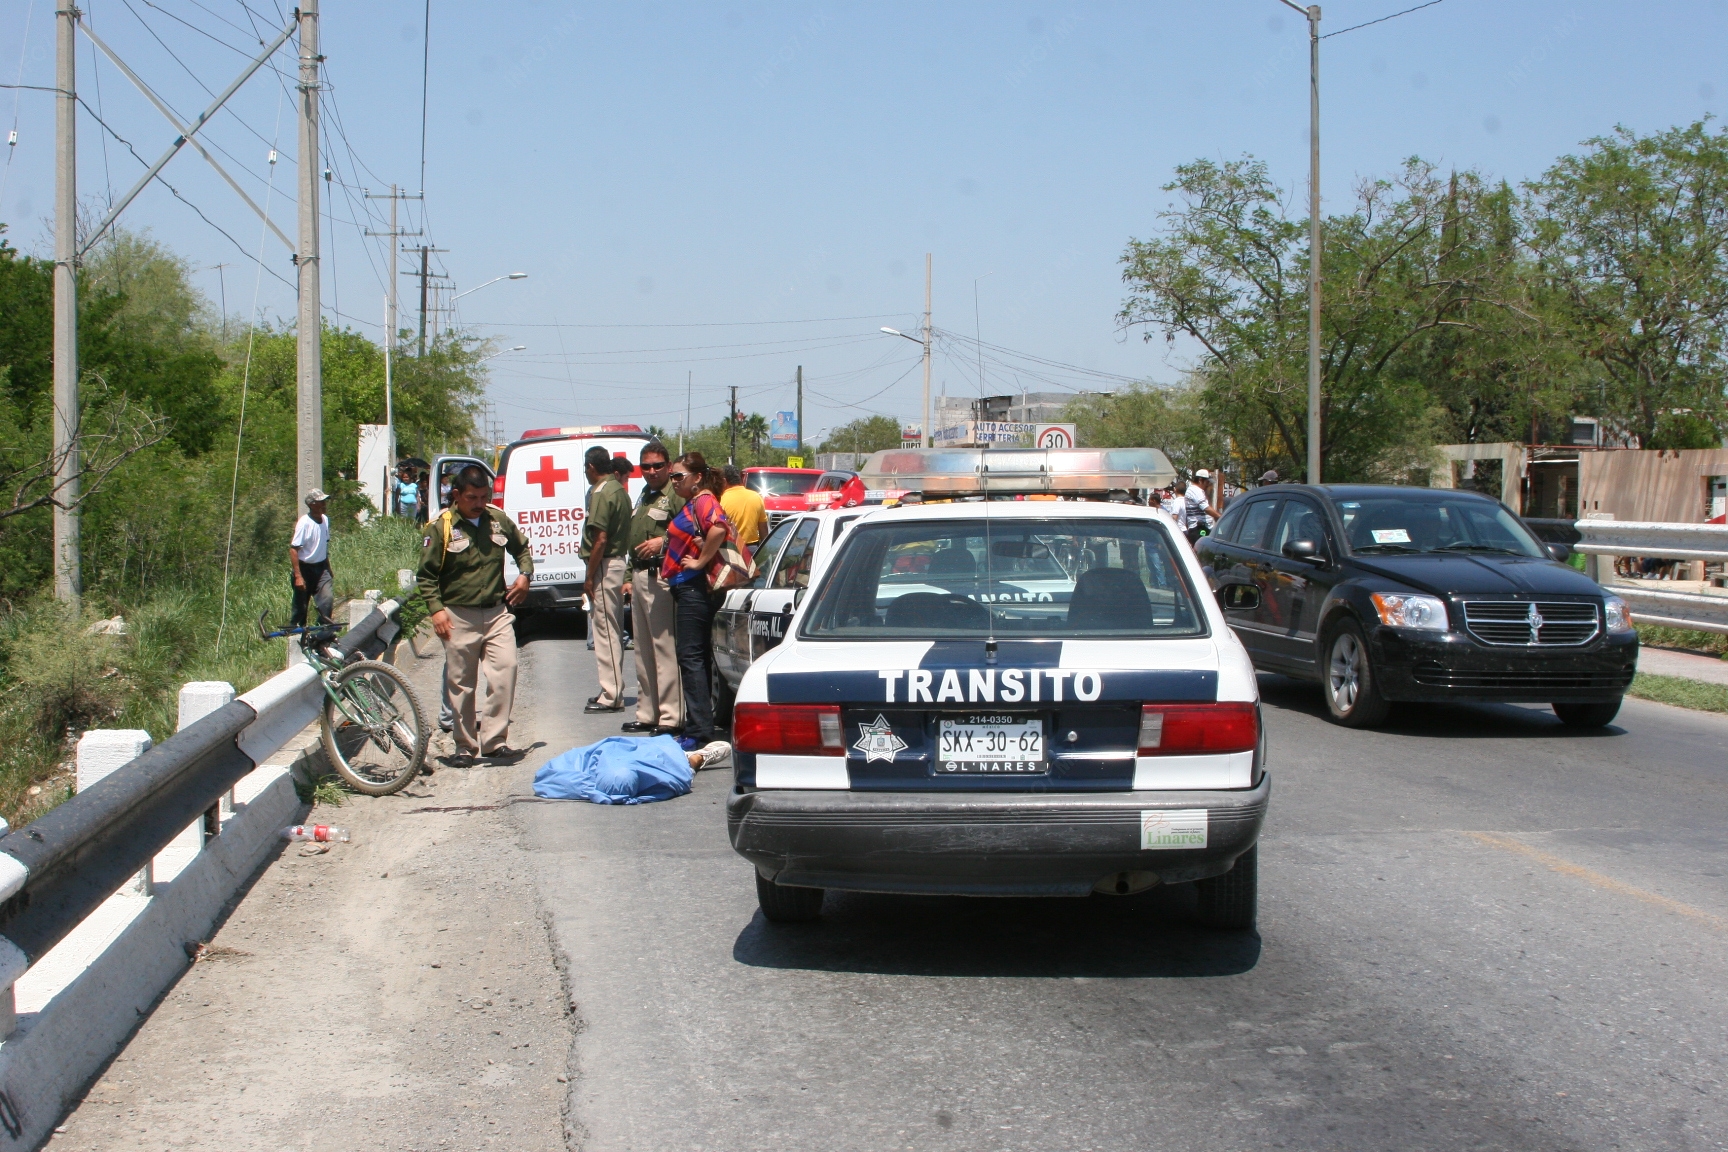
x=462, y=579
x=659, y=693
x=309, y=557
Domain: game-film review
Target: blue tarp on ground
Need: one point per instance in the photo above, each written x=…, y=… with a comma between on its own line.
x=617, y=770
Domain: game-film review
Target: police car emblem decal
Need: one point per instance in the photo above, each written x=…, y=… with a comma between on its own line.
x=877, y=741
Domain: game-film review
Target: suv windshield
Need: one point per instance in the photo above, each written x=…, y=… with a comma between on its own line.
x=1018, y=578
x=782, y=483
x=1392, y=524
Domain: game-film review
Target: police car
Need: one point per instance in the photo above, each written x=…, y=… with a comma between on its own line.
x=1004, y=697
x=753, y=619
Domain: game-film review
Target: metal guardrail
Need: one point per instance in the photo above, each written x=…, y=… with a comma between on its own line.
x=1649, y=603
x=1669, y=541
x=56, y=870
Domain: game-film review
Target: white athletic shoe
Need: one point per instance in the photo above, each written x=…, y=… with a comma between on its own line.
x=717, y=754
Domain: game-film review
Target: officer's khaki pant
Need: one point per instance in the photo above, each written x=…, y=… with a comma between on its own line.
x=605, y=617
x=481, y=638
x=659, y=697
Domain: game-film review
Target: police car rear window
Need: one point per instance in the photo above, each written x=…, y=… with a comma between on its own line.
x=1025, y=578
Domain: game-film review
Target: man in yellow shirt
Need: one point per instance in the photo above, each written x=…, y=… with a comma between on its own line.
x=744, y=508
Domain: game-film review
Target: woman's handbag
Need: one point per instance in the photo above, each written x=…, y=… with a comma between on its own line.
x=732, y=565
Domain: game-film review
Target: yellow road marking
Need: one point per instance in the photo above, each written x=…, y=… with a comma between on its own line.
x=1590, y=876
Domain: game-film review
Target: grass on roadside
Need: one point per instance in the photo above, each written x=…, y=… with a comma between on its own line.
x=1681, y=692
x=57, y=679
x=1689, y=639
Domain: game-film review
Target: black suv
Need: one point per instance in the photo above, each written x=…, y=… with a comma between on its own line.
x=1385, y=594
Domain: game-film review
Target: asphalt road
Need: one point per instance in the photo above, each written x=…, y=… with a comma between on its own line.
x=1477, y=930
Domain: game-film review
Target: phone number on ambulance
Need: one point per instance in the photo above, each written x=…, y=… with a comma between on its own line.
x=557, y=548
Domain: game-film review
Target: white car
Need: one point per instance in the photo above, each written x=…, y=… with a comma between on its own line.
x=996, y=698
x=753, y=619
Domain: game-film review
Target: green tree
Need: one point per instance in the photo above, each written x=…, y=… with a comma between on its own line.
x=754, y=429
x=1230, y=272
x=866, y=434
x=1631, y=237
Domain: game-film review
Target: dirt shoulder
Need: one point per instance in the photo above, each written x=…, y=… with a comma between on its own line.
x=396, y=992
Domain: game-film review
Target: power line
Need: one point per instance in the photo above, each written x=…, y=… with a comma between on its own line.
x=1381, y=20
x=707, y=324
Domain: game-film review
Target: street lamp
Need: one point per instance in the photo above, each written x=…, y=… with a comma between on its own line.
x=1312, y=13
x=500, y=352
x=489, y=283
x=925, y=343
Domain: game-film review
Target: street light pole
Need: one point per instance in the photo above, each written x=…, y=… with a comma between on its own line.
x=1314, y=441
x=929, y=432
x=1312, y=15
x=489, y=283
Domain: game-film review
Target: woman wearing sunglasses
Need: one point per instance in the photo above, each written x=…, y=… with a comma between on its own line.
x=692, y=541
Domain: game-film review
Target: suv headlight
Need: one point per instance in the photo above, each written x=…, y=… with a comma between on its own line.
x=1616, y=614
x=1400, y=611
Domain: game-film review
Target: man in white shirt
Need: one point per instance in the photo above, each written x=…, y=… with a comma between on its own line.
x=309, y=553
x=1201, y=515
x=1174, y=507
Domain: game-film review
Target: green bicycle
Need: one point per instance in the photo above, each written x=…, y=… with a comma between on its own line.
x=373, y=727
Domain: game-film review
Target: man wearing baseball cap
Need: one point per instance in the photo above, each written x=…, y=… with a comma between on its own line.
x=309, y=555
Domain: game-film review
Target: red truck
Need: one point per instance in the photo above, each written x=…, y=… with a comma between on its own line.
x=782, y=489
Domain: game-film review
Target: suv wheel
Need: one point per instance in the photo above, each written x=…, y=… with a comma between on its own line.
x=1351, y=686
x=784, y=904
x=1231, y=900
x=1587, y=715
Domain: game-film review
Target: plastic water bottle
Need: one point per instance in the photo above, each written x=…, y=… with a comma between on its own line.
x=322, y=833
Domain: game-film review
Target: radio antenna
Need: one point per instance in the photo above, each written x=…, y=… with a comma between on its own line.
x=984, y=466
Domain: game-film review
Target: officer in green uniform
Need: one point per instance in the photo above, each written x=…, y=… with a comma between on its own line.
x=462, y=579
x=659, y=697
x=604, y=534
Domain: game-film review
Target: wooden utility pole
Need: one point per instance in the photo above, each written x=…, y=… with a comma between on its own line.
x=309, y=392
x=68, y=579
x=732, y=421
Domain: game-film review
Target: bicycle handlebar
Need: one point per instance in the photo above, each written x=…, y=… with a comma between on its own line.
x=321, y=634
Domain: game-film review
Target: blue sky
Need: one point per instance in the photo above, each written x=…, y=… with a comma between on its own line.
x=723, y=192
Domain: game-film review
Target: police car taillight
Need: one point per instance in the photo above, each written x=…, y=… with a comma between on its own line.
x=1186, y=729
x=788, y=729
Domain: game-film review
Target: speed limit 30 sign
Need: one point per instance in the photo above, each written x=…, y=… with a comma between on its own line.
x=1053, y=436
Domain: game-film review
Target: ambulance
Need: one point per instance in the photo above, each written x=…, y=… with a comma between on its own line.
x=995, y=695
x=541, y=484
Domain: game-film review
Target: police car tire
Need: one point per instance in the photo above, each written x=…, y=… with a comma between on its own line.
x=724, y=698
x=784, y=904
x=1230, y=900
x=1368, y=707
x=1597, y=715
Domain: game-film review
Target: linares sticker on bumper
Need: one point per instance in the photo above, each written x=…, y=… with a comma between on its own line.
x=1172, y=828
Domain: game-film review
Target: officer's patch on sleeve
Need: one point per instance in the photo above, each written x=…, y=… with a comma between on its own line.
x=426, y=542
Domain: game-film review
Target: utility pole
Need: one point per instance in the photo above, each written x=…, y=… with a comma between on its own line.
x=732, y=421
x=800, y=411
x=310, y=390
x=1314, y=244
x=390, y=320
x=67, y=575
x=423, y=271
x=929, y=432
x=689, y=383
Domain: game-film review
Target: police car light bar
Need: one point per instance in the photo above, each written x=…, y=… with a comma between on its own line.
x=939, y=472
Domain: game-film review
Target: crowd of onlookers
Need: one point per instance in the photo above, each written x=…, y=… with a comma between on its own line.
x=670, y=548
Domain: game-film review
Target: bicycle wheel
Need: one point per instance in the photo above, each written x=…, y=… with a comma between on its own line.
x=376, y=740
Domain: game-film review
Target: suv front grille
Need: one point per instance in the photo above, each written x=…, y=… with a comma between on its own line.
x=1531, y=624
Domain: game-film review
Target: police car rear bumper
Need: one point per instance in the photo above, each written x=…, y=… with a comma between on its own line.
x=987, y=844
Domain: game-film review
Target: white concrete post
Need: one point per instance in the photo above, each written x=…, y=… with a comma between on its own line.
x=197, y=700
x=102, y=751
